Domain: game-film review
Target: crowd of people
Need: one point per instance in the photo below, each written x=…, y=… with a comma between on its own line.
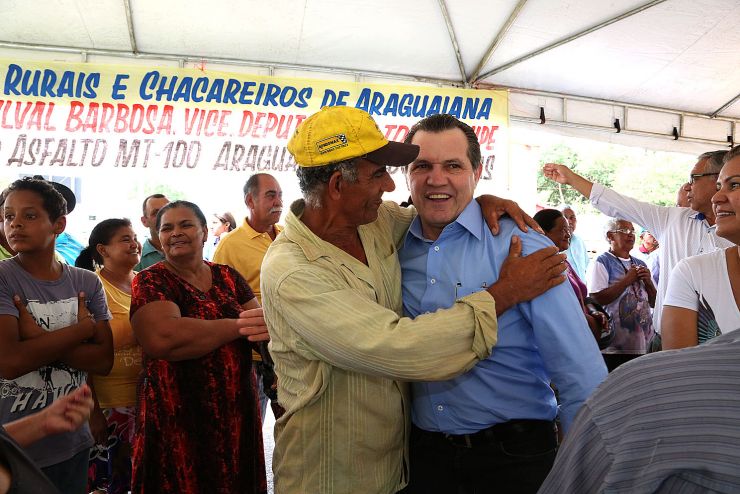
x=434, y=348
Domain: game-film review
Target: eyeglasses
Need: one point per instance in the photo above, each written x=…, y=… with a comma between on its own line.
x=694, y=176
x=626, y=231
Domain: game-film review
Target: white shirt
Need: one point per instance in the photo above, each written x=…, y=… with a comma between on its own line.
x=682, y=232
x=707, y=276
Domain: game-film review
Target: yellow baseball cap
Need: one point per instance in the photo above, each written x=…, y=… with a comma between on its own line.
x=339, y=133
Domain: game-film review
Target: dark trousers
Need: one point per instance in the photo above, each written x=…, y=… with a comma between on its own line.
x=514, y=457
x=70, y=476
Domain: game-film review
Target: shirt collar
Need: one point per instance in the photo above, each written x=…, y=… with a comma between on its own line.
x=254, y=233
x=471, y=219
x=148, y=248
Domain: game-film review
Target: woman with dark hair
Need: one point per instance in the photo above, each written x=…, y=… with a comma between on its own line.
x=199, y=425
x=220, y=224
x=112, y=252
x=556, y=228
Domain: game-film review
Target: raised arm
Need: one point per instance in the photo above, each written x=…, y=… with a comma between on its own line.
x=564, y=175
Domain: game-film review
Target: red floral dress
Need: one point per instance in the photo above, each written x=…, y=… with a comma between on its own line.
x=198, y=426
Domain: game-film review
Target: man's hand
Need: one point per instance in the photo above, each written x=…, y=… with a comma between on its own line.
x=69, y=412
x=494, y=208
x=564, y=175
x=524, y=278
x=558, y=173
x=251, y=323
x=27, y=327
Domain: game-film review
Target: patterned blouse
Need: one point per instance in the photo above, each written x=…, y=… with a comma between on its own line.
x=198, y=426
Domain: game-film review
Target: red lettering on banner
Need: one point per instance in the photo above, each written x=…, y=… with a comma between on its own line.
x=260, y=124
x=202, y=122
x=26, y=115
x=98, y=117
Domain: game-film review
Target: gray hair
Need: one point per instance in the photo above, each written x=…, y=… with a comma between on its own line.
x=714, y=160
x=563, y=207
x=611, y=225
x=313, y=180
x=732, y=153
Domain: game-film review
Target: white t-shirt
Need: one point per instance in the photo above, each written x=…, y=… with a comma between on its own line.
x=702, y=284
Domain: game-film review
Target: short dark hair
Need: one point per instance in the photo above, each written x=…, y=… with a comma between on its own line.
x=546, y=218
x=182, y=204
x=153, y=196
x=54, y=203
x=253, y=183
x=443, y=121
x=102, y=233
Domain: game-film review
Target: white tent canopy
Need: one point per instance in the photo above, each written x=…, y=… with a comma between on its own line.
x=661, y=68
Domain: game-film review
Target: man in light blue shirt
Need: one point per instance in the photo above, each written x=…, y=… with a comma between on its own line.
x=491, y=429
x=577, y=254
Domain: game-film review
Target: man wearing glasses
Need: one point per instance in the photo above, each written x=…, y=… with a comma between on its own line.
x=682, y=232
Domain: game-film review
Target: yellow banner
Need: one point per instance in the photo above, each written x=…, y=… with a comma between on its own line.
x=75, y=119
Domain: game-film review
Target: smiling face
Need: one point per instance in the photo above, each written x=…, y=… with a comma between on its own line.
x=362, y=199
x=27, y=225
x=560, y=234
x=181, y=233
x=123, y=249
x=441, y=179
x=726, y=201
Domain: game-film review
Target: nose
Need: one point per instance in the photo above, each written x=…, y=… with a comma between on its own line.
x=388, y=184
x=280, y=201
x=719, y=197
x=435, y=176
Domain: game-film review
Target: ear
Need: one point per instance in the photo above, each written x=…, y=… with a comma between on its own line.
x=478, y=172
x=145, y=221
x=205, y=233
x=335, y=186
x=60, y=224
x=101, y=250
x=249, y=201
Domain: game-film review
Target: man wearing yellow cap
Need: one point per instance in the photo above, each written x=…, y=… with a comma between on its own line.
x=331, y=290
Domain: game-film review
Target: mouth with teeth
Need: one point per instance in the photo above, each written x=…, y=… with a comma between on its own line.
x=437, y=197
x=723, y=214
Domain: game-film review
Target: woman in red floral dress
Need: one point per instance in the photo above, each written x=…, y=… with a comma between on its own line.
x=198, y=427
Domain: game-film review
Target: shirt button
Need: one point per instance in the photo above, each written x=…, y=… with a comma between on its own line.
x=436, y=248
x=432, y=281
x=440, y=408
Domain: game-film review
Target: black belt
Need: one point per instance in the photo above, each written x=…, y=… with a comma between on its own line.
x=499, y=433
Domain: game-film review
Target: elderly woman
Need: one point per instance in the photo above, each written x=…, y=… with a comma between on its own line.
x=199, y=425
x=703, y=295
x=557, y=229
x=112, y=252
x=624, y=286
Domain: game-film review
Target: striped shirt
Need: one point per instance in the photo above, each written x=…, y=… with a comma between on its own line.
x=342, y=351
x=664, y=423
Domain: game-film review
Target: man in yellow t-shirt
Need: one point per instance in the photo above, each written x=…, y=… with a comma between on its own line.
x=244, y=248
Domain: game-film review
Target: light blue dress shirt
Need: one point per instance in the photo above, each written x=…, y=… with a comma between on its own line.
x=578, y=256
x=546, y=338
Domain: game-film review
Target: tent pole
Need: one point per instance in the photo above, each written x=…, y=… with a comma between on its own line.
x=497, y=40
x=570, y=38
x=453, y=40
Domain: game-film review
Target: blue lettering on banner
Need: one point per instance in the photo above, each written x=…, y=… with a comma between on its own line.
x=411, y=105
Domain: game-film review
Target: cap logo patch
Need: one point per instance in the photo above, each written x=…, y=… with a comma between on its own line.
x=329, y=144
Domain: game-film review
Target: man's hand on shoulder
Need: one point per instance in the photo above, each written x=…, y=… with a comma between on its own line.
x=524, y=278
x=494, y=208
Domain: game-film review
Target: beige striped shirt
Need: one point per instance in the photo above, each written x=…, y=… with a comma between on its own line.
x=342, y=351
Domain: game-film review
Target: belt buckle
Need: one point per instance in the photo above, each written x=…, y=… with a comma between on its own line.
x=462, y=440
